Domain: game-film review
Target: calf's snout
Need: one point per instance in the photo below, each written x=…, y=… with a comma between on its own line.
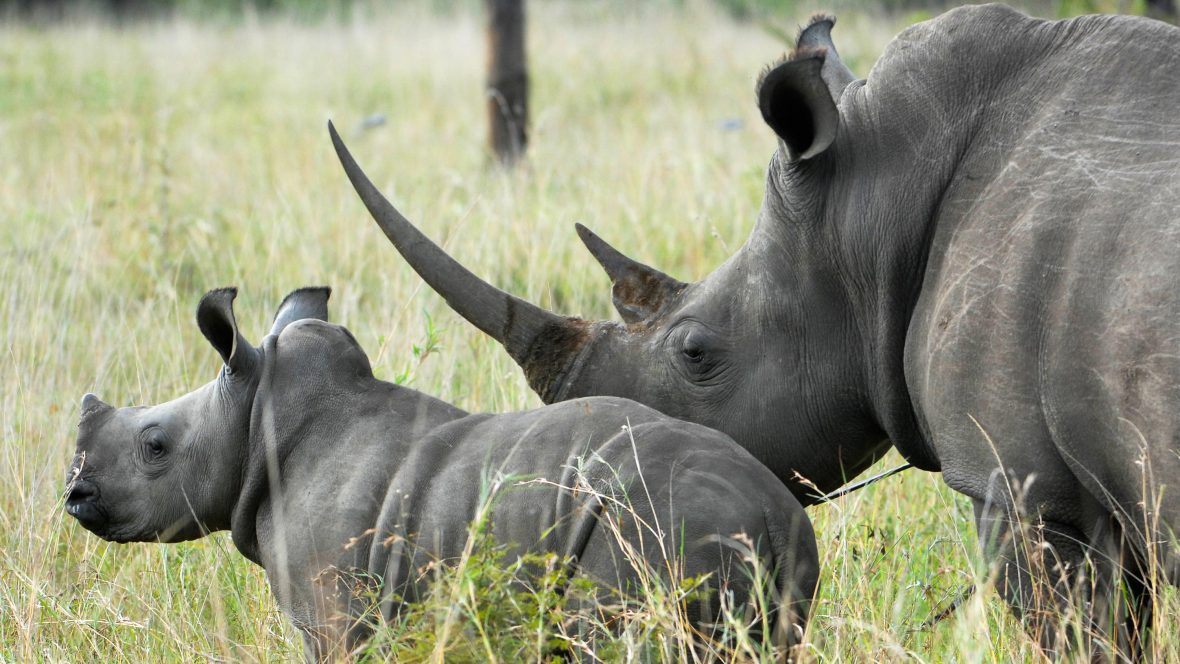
x=81, y=491
x=81, y=496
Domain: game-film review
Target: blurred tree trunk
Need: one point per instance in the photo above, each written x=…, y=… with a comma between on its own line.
x=1162, y=9
x=508, y=80
x=41, y=11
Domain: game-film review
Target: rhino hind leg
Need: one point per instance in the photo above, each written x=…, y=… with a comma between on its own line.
x=771, y=598
x=1076, y=593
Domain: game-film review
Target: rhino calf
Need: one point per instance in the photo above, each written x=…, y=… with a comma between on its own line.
x=325, y=476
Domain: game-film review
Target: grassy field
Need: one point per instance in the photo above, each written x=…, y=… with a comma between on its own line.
x=141, y=166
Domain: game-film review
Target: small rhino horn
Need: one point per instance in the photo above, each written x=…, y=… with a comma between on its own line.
x=91, y=404
x=638, y=291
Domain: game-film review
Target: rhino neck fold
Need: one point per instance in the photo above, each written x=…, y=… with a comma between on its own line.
x=262, y=476
x=874, y=237
x=883, y=248
x=342, y=424
x=254, y=485
x=908, y=144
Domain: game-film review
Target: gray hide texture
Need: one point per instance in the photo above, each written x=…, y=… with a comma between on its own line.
x=329, y=478
x=974, y=255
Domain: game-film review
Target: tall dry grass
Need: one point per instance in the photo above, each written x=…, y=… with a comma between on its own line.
x=140, y=166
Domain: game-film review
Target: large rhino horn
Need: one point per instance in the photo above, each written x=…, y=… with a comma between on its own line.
x=638, y=291
x=541, y=342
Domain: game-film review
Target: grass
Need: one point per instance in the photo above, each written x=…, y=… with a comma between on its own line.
x=144, y=165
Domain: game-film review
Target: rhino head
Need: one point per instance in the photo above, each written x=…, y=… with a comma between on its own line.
x=769, y=348
x=171, y=472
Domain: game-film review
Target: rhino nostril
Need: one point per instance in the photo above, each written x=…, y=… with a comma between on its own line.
x=80, y=492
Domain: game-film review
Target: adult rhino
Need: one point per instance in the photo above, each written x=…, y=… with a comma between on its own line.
x=974, y=255
x=328, y=477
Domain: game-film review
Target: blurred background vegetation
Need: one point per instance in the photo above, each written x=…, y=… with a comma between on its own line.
x=316, y=10
x=152, y=149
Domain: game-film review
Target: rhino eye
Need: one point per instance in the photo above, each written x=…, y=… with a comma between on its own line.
x=154, y=444
x=700, y=357
x=695, y=353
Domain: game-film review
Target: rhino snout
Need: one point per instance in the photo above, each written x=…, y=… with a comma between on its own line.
x=82, y=502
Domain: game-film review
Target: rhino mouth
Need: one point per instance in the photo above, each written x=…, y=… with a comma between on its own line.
x=93, y=518
x=82, y=503
x=87, y=513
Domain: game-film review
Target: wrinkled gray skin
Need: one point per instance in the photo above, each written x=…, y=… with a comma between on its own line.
x=329, y=478
x=973, y=254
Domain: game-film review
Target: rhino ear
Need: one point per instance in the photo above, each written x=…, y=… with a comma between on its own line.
x=215, y=317
x=796, y=103
x=638, y=291
x=817, y=35
x=310, y=302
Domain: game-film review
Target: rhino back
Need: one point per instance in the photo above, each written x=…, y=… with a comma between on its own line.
x=557, y=469
x=1045, y=336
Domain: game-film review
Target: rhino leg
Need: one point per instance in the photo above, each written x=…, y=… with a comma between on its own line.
x=1049, y=572
x=1125, y=600
x=789, y=570
x=338, y=616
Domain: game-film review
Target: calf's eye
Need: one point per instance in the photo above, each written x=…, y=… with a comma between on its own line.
x=154, y=445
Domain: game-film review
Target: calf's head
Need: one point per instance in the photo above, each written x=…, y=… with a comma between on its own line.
x=171, y=472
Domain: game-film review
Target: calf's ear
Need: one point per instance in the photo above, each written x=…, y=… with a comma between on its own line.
x=215, y=317
x=638, y=291
x=309, y=302
x=797, y=104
